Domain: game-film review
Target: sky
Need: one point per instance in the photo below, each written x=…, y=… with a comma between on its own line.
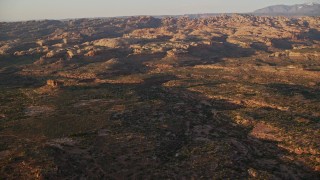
x=18, y=10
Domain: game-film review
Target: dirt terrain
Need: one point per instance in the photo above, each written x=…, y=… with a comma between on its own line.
x=223, y=97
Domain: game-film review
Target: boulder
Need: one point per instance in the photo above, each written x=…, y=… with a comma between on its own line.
x=54, y=83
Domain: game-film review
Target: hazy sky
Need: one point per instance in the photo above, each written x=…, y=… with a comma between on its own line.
x=15, y=10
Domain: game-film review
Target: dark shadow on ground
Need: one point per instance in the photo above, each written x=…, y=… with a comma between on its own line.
x=10, y=72
x=291, y=90
x=132, y=64
x=312, y=34
x=282, y=43
x=214, y=53
x=174, y=133
x=260, y=46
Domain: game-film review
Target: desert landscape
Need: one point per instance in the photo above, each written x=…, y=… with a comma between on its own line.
x=224, y=97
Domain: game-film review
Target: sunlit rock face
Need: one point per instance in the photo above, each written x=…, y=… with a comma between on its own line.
x=223, y=97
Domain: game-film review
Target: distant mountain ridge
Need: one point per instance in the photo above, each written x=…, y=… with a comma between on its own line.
x=308, y=9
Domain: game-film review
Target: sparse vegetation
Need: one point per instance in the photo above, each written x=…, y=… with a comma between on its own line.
x=193, y=98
